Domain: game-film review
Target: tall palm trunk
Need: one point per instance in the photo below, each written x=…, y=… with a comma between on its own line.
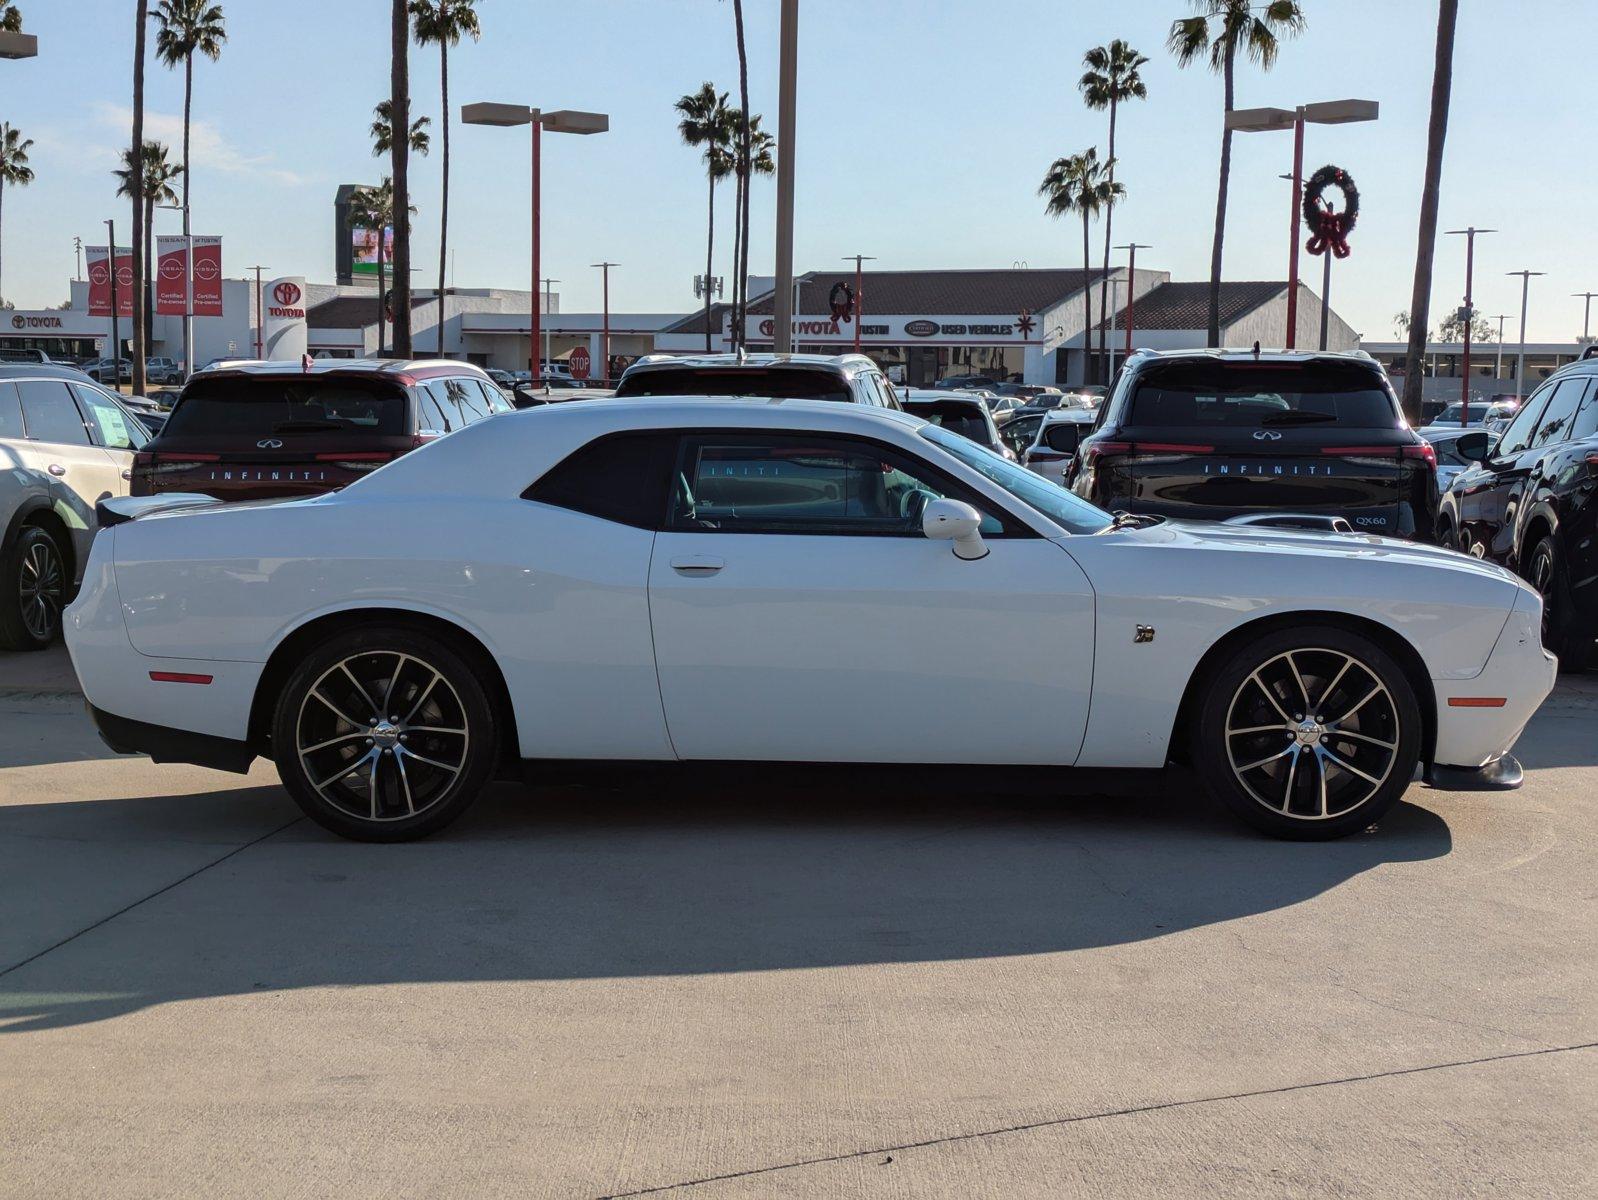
x=2, y=231
x=399, y=80
x=1220, y=205
x=443, y=206
x=380, y=290
x=136, y=181
x=737, y=248
x=1109, y=219
x=746, y=177
x=710, y=251
x=188, y=250
x=1437, y=132
x=149, y=273
x=1087, y=300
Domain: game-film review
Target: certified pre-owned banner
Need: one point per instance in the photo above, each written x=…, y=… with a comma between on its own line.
x=170, y=287
x=100, y=267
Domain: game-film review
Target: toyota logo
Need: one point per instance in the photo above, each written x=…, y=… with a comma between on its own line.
x=19, y=322
x=1267, y=435
x=286, y=294
x=269, y=444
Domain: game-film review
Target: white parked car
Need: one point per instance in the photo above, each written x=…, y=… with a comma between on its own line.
x=1054, y=450
x=698, y=580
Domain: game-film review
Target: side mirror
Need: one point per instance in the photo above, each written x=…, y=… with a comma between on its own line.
x=1477, y=447
x=959, y=523
x=1062, y=438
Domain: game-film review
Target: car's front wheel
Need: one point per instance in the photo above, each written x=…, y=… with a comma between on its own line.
x=1545, y=571
x=385, y=734
x=1308, y=733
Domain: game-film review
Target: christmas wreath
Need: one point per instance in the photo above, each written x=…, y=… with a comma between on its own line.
x=841, y=301
x=1329, y=228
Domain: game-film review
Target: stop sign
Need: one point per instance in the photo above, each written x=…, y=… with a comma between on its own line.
x=579, y=362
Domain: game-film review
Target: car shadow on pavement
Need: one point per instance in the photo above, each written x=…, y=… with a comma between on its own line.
x=572, y=883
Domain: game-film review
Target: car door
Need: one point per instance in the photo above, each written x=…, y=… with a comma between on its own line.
x=24, y=473
x=1486, y=491
x=81, y=474
x=111, y=427
x=1526, y=477
x=799, y=613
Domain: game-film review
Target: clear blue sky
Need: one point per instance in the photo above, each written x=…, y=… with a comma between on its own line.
x=923, y=131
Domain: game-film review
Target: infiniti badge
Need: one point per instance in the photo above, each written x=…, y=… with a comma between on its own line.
x=1267, y=435
x=269, y=444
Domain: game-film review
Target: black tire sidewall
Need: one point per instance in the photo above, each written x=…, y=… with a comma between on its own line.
x=455, y=664
x=14, y=631
x=1209, y=751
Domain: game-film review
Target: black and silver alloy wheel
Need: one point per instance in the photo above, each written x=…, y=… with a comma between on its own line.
x=35, y=583
x=1545, y=571
x=384, y=735
x=1309, y=733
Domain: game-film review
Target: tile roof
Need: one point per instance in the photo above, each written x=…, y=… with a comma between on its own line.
x=1187, y=305
x=350, y=312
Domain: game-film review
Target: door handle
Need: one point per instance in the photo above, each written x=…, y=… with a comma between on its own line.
x=57, y=470
x=126, y=473
x=697, y=564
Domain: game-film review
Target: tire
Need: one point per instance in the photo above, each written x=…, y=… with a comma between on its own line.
x=33, y=590
x=1544, y=569
x=332, y=743
x=1262, y=753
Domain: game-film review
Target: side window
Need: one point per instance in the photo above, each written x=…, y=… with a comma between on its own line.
x=1554, y=427
x=473, y=404
x=492, y=396
x=10, y=412
x=797, y=484
x=618, y=478
x=454, y=418
x=1518, y=436
x=430, y=415
x=108, y=423
x=50, y=415
x=1586, y=420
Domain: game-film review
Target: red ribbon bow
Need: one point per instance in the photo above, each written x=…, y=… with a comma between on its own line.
x=1329, y=234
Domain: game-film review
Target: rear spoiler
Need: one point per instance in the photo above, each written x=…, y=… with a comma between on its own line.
x=116, y=510
x=1282, y=520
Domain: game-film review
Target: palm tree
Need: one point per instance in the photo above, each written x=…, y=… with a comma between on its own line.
x=1215, y=34
x=14, y=170
x=156, y=175
x=135, y=180
x=188, y=27
x=443, y=23
x=1111, y=77
x=372, y=208
x=1437, y=131
x=758, y=162
x=10, y=18
x=383, y=132
x=399, y=80
x=707, y=121
x=1081, y=184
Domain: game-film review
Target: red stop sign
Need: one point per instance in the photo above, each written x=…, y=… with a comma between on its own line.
x=579, y=362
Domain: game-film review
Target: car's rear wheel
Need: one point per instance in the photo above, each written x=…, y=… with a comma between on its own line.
x=1308, y=733
x=1545, y=571
x=384, y=735
x=33, y=591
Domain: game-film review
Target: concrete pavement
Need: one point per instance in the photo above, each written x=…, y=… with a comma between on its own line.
x=593, y=992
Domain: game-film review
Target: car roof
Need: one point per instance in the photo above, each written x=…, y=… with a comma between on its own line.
x=940, y=396
x=850, y=363
x=23, y=370
x=426, y=367
x=1235, y=354
x=1069, y=416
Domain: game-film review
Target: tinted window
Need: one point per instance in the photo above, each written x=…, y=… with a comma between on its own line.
x=786, y=483
x=1064, y=508
x=1018, y=432
x=432, y=414
x=782, y=383
x=10, y=411
x=1241, y=395
x=50, y=414
x=1586, y=420
x=620, y=478
x=965, y=419
x=249, y=406
x=1518, y=436
x=492, y=395
x=1558, y=416
x=111, y=425
x=472, y=403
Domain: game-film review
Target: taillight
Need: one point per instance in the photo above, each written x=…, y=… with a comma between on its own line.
x=1425, y=452
x=146, y=463
x=364, y=461
x=1169, y=448
x=1093, y=451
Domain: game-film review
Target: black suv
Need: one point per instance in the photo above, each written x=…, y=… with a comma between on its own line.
x=1218, y=434
x=1528, y=502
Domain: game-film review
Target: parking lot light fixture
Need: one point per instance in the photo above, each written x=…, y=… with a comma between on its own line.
x=604, y=344
x=1470, y=316
x=1263, y=120
x=562, y=120
x=1520, y=358
x=18, y=45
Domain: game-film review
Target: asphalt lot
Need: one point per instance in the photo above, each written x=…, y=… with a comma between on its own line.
x=590, y=992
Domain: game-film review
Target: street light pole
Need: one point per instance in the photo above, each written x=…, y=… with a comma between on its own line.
x=549, y=302
x=859, y=292
x=1292, y=237
x=1498, y=365
x=1586, y=311
x=1131, y=249
x=787, y=77
x=1520, y=360
x=116, y=333
x=604, y=345
x=188, y=288
x=1469, y=234
x=260, y=309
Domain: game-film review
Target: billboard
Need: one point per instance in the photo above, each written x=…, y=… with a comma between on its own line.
x=363, y=243
x=99, y=263
x=171, y=259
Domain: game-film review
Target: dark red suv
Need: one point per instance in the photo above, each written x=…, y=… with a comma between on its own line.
x=265, y=430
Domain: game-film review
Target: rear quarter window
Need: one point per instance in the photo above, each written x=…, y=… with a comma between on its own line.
x=619, y=478
x=787, y=383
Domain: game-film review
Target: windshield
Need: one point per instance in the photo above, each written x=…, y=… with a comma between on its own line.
x=780, y=383
x=1065, y=509
x=1248, y=395
x=262, y=406
x=964, y=419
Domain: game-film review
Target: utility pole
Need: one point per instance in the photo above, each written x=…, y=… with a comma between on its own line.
x=1586, y=311
x=1520, y=360
x=77, y=248
x=1469, y=315
x=604, y=345
x=1131, y=249
x=859, y=292
x=538, y=371
x=1498, y=366
x=787, y=89
x=116, y=333
x=260, y=309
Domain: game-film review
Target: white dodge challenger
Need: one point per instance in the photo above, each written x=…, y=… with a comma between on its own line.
x=694, y=581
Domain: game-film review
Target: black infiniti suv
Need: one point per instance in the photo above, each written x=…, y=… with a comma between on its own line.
x=1530, y=502
x=1277, y=437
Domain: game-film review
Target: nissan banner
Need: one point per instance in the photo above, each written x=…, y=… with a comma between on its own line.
x=99, y=263
x=283, y=330
x=170, y=286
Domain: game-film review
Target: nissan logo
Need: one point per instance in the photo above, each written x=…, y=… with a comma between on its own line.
x=99, y=274
x=286, y=294
x=269, y=444
x=205, y=268
x=171, y=268
x=1267, y=435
